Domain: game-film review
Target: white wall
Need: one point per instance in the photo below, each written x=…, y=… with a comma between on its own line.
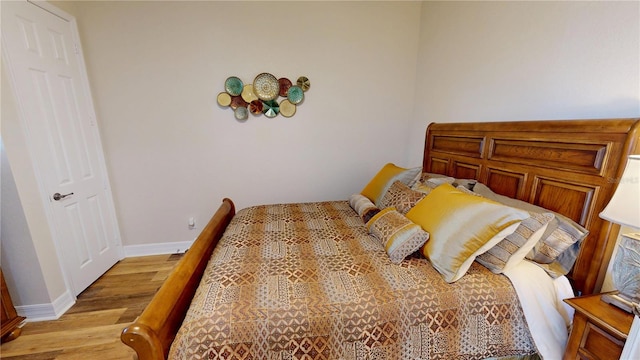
x=497, y=61
x=14, y=230
x=156, y=68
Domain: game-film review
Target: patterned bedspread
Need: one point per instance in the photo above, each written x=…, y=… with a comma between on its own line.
x=306, y=281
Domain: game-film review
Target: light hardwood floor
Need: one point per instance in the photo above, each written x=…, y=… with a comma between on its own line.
x=91, y=328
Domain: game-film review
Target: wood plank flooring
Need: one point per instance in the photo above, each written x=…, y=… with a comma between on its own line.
x=91, y=328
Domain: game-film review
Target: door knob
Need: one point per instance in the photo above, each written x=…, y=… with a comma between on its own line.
x=58, y=196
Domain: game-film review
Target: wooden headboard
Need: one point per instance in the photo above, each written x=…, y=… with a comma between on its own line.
x=568, y=166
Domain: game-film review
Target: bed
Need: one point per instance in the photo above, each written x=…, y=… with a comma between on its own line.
x=568, y=167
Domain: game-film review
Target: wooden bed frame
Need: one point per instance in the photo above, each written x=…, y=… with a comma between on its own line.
x=568, y=166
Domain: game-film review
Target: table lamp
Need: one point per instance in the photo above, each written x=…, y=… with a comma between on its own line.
x=624, y=209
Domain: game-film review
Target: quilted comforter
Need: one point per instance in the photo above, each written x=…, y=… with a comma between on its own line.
x=307, y=281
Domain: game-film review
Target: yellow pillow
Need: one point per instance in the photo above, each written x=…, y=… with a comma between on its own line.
x=461, y=226
x=377, y=187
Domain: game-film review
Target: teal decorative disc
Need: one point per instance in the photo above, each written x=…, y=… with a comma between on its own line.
x=295, y=94
x=270, y=108
x=233, y=86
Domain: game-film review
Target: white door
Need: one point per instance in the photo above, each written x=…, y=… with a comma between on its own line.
x=47, y=74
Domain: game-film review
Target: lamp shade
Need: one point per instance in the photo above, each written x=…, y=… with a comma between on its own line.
x=624, y=207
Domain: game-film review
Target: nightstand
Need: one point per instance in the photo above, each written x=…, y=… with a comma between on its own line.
x=599, y=329
x=11, y=322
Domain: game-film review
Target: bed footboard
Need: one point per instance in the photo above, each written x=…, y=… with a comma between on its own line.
x=153, y=332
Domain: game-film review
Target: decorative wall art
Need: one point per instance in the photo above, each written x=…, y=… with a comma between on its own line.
x=261, y=97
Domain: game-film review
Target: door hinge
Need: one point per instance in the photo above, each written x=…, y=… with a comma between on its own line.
x=76, y=49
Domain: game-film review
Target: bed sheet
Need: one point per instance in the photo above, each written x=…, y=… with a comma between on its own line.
x=548, y=317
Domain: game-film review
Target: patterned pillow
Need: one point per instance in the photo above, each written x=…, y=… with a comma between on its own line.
x=363, y=206
x=377, y=187
x=431, y=180
x=561, y=240
x=399, y=235
x=513, y=248
x=436, y=179
x=422, y=187
x=550, y=248
x=461, y=227
x=401, y=197
x=466, y=190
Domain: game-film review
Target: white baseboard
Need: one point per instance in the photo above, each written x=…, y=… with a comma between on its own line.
x=157, y=249
x=51, y=311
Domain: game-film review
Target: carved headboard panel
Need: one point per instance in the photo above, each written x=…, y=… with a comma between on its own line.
x=568, y=166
